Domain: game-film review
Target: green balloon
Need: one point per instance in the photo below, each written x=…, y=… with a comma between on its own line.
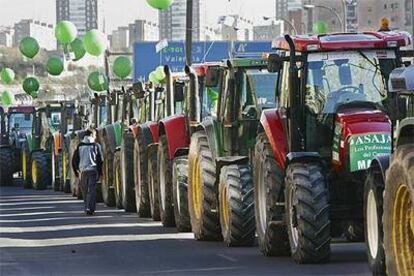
x=160, y=4
x=153, y=78
x=94, y=42
x=77, y=48
x=159, y=73
x=7, y=98
x=122, y=67
x=7, y=75
x=54, y=66
x=97, y=81
x=29, y=47
x=65, y=32
x=30, y=85
x=320, y=27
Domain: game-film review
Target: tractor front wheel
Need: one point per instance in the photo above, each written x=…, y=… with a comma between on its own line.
x=398, y=216
x=153, y=187
x=41, y=170
x=202, y=190
x=180, y=190
x=307, y=209
x=164, y=173
x=6, y=166
x=127, y=171
x=142, y=200
x=373, y=196
x=108, y=194
x=269, y=194
x=236, y=200
x=27, y=178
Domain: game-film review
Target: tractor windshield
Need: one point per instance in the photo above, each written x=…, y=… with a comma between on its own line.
x=338, y=78
x=21, y=120
x=262, y=84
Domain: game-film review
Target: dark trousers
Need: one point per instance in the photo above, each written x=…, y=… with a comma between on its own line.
x=88, y=185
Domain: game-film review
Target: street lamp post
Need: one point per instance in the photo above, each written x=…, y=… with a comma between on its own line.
x=291, y=25
x=311, y=7
x=189, y=32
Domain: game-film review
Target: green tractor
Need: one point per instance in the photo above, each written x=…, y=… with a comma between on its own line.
x=37, y=153
x=6, y=153
x=220, y=182
x=389, y=209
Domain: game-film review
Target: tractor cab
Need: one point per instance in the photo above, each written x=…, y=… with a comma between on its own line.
x=46, y=121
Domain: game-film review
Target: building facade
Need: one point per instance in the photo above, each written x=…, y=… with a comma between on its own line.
x=83, y=13
x=6, y=37
x=172, y=22
x=268, y=32
x=143, y=30
x=42, y=32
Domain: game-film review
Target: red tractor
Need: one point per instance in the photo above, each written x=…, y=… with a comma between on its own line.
x=314, y=149
x=160, y=103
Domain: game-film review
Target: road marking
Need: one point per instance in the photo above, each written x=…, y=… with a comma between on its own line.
x=26, y=208
x=73, y=227
x=228, y=258
x=57, y=213
x=7, y=242
x=40, y=202
x=50, y=219
x=194, y=270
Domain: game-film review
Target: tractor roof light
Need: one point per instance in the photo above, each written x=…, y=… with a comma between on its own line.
x=312, y=47
x=392, y=44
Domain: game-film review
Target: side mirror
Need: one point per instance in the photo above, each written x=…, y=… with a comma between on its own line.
x=212, y=77
x=275, y=63
x=179, y=91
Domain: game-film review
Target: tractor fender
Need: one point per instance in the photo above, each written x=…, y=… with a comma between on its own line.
x=109, y=135
x=380, y=163
x=272, y=123
x=152, y=149
x=209, y=126
x=302, y=157
x=134, y=130
x=176, y=133
x=118, y=133
x=405, y=132
x=145, y=131
x=230, y=160
x=153, y=127
x=181, y=152
x=57, y=142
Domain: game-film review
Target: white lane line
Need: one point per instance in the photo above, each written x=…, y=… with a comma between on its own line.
x=7, y=242
x=26, y=208
x=57, y=213
x=73, y=227
x=41, y=202
x=228, y=258
x=194, y=270
x=50, y=219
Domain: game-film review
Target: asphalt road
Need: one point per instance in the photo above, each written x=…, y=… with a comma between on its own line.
x=46, y=233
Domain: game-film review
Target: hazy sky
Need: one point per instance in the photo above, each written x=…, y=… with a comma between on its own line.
x=122, y=12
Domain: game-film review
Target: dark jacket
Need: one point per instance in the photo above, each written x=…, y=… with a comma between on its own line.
x=87, y=157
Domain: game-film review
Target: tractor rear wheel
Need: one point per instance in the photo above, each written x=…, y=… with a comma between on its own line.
x=6, y=166
x=127, y=171
x=118, y=180
x=27, y=178
x=373, y=197
x=55, y=170
x=153, y=188
x=108, y=193
x=236, y=200
x=202, y=190
x=180, y=198
x=398, y=216
x=307, y=209
x=269, y=193
x=164, y=173
x=74, y=181
x=41, y=170
x=142, y=201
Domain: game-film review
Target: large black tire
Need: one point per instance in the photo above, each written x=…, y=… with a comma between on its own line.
x=398, y=212
x=153, y=188
x=108, y=193
x=307, y=209
x=118, y=180
x=180, y=194
x=164, y=175
x=66, y=171
x=6, y=166
x=203, y=190
x=26, y=170
x=269, y=194
x=127, y=170
x=373, y=196
x=236, y=200
x=41, y=170
x=142, y=200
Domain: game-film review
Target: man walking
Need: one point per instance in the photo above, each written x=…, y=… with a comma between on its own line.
x=87, y=161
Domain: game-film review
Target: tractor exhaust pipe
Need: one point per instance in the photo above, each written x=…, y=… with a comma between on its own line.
x=194, y=115
x=295, y=111
x=169, y=91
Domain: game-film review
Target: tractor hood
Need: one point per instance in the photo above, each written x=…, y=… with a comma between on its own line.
x=360, y=135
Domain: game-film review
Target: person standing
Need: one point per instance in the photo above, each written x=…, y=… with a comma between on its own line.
x=87, y=162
